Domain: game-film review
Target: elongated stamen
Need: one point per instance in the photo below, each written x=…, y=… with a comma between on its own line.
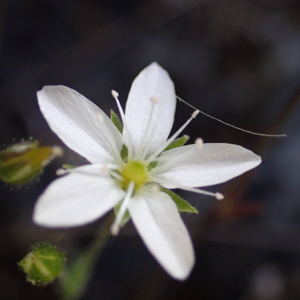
x=108, y=138
x=140, y=154
x=82, y=170
x=171, y=139
x=129, y=147
x=115, y=228
x=176, y=185
x=235, y=127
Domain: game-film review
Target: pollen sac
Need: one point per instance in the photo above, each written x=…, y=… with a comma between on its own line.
x=22, y=162
x=43, y=264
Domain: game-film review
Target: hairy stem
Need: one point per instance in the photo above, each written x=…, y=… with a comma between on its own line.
x=76, y=277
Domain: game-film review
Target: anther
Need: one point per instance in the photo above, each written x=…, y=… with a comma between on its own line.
x=57, y=151
x=154, y=99
x=129, y=146
x=199, y=143
x=219, y=196
x=115, y=94
x=60, y=172
x=195, y=113
x=115, y=229
x=172, y=138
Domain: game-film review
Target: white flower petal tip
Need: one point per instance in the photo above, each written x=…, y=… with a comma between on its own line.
x=152, y=83
x=159, y=224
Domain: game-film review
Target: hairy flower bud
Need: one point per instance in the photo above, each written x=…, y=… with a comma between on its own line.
x=22, y=162
x=43, y=264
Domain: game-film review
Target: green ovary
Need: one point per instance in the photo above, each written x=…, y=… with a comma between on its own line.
x=134, y=171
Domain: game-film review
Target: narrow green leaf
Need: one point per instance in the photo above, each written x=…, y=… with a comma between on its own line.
x=178, y=142
x=115, y=119
x=182, y=205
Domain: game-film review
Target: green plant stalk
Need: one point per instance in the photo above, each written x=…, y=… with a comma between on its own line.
x=75, y=278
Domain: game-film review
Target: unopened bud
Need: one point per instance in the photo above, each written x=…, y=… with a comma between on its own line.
x=22, y=162
x=43, y=264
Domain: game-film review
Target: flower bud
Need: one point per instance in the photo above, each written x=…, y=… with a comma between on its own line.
x=43, y=264
x=22, y=162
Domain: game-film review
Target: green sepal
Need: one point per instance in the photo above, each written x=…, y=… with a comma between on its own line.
x=116, y=120
x=68, y=166
x=126, y=217
x=178, y=142
x=43, y=264
x=124, y=152
x=152, y=165
x=182, y=205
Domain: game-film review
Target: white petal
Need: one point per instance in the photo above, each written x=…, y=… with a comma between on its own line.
x=158, y=222
x=212, y=164
x=153, y=81
x=75, y=120
x=77, y=199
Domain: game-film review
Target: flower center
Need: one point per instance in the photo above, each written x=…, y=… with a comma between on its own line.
x=134, y=171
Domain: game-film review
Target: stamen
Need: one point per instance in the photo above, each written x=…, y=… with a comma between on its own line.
x=115, y=175
x=235, y=127
x=171, y=139
x=105, y=167
x=199, y=143
x=176, y=185
x=115, y=228
x=141, y=153
x=116, y=95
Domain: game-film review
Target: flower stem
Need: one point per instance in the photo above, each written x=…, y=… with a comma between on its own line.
x=76, y=277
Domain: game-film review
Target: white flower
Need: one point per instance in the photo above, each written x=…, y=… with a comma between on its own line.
x=88, y=192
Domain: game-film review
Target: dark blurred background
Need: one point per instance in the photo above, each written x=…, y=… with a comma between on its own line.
x=238, y=60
